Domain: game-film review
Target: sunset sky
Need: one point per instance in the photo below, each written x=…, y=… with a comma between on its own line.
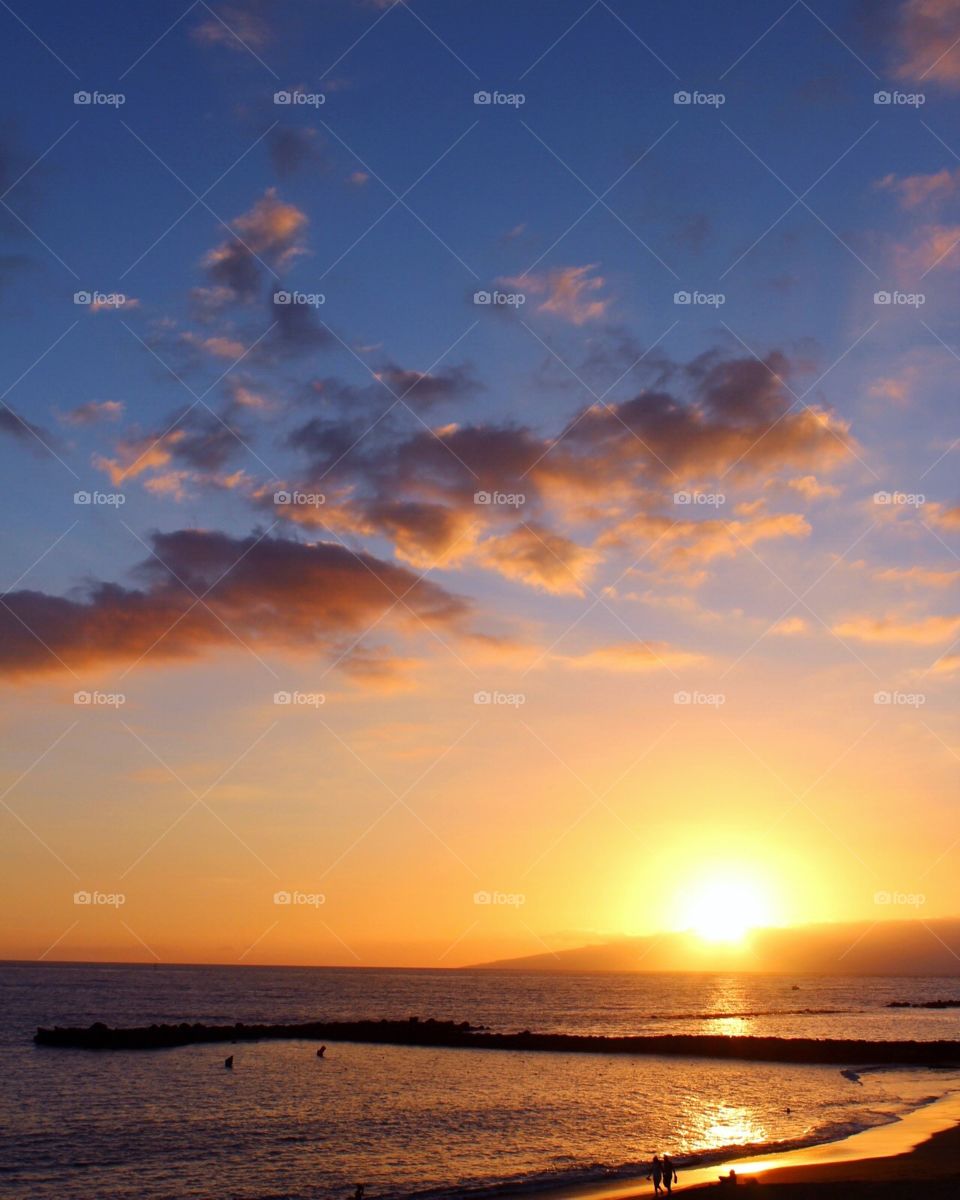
x=713, y=604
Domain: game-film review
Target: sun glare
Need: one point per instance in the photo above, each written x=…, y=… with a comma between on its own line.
x=724, y=910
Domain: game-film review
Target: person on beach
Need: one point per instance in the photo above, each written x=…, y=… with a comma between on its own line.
x=669, y=1174
x=656, y=1174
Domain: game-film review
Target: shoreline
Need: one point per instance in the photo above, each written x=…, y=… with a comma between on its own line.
x=923, y=1145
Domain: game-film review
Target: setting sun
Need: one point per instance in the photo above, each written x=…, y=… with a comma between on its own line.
x=724, y=910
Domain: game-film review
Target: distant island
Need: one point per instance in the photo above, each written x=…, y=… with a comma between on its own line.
x=906, y=948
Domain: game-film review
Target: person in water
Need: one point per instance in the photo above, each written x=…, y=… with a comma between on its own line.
x=669, y=1174
x=361, y=1187
x=656, y=1174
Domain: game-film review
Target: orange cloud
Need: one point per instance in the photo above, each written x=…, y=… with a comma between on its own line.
x=265, y=591
x=632, y=657
x=914, y=191
x=893, y=629
x=927, y=35
x=569, y=292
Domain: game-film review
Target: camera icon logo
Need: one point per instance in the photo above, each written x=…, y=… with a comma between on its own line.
x=682, y=298
x=482, y=297
x=82, y=898
x=482, y=498
x=282, y=97
x=882, y=97
x=682, y=497
x=282, y=497
x=82, y=97
x=82, y=498
x=882, y=298
x=682, y=97
x=282, y=898
x=282, y=297
x=83, y=697
x=682, y=697
x=482, y=898
x=283, y=697
x=482, y=98
x=481, y=697
x=82, y=298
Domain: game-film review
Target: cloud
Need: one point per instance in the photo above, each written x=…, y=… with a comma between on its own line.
x=611, y=469
x=921, y=576
x=790, y=627
x=199, y=442
x=927, y=35
x=948, y=665
x=915, y=191
x=292, y=148
x=926, y=247
x=15, y=426
x=632, y=657
x=540, y=558
x=267, y=591
x=943, y=518
x=568, y=292
x=271, y=230
x=895, y=629
x=232, y=26
x=810, y=487
x=682, y=543
x=93, y=412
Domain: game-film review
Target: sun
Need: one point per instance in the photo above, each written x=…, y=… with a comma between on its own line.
x=724, y=910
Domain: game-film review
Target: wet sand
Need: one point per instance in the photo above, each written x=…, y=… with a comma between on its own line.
x=916, y=1157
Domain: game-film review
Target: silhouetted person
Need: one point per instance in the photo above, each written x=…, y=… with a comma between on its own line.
x=361, y=1187
x=321, y=1052
x=728, y=1180
x=669, y=1174
x=656, y=1174
x=228, y=1063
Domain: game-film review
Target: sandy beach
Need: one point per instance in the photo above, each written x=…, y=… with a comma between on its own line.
x=917, y=1156
x=931, y=1169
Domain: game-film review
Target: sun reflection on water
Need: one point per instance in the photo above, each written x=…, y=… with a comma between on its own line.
x=728, y=1125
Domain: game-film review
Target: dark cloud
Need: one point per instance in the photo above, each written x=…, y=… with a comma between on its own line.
x=270, y=591
x=293, y=148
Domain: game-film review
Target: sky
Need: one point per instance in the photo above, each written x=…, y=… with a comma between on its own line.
x=476, y=478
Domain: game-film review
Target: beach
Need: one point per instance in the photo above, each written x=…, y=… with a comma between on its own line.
x=918, y=1156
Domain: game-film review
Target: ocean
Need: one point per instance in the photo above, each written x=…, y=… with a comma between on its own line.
x=406, y=1121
